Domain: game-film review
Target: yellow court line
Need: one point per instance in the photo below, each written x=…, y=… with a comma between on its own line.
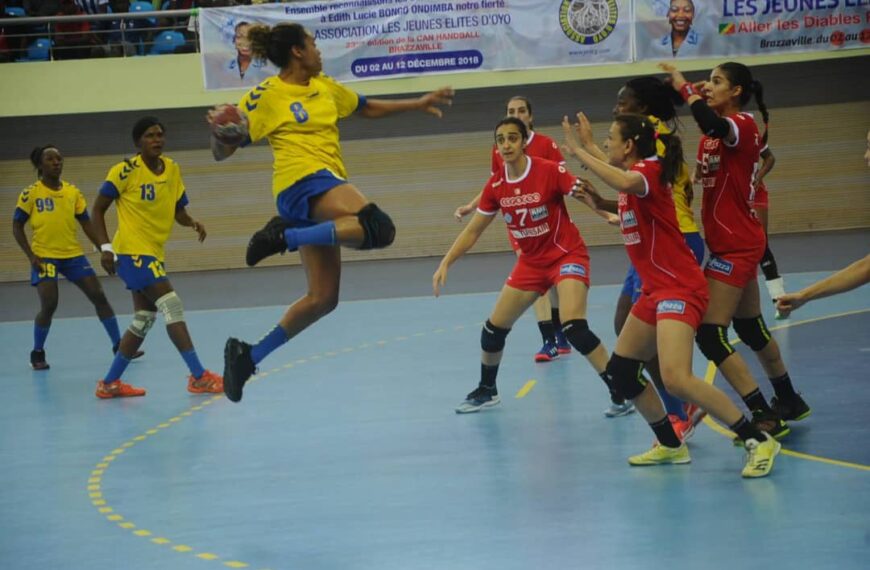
x=710, y=377
x=527, y=387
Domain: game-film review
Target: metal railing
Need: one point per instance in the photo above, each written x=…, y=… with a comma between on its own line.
x=107, y=35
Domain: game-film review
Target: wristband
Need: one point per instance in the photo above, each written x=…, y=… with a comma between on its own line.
x=107, y=247
x=687, y=90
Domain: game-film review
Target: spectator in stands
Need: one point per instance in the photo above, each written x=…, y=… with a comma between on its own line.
x=72, y=40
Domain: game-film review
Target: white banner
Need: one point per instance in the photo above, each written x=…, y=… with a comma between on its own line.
x=376, y=39
x=669, y=29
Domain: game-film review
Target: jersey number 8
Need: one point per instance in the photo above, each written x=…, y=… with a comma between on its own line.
x=299, y=112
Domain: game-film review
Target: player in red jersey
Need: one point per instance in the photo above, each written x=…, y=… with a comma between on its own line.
x=728, y=155
x=530, y=194
x=674, y=292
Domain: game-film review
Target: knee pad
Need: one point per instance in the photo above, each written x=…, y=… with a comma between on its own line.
x=377, y=226
x=753, y=332
x=626, y=376
x=578, y=334
x=142, y=323
x=492, y=337
x=713, y=342
x=171, y=307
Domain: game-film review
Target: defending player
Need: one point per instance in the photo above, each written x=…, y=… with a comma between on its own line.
x=53, y=206
x=529, y=192
x=674, y=297
x=150, y=196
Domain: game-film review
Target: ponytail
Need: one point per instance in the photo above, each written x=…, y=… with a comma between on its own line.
x=758, y=91
x=672, y=159
x=274, y=44
x=739, y=74
x=641, y=130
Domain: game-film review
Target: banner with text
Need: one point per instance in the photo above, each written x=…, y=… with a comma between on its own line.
x=667, y=29
x=376, y=39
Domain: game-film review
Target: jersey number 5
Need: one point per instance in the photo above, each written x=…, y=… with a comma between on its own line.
x=299, y=112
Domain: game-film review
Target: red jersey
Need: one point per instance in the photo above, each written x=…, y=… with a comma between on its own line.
x=652, y=236
x=534, y=210
x=728, y=174
x=538, y=145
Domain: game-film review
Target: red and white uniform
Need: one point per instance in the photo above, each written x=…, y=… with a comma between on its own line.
x=673, y=285
x=533, y=207
x=732, y=231
x=538, y=145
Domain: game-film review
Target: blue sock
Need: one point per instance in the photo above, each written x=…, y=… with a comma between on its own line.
x=39, y=336
x=111, y=326
x=673, y=405
x=275, y=338
x=320, y=234
x=193, y=363
x=119, y=365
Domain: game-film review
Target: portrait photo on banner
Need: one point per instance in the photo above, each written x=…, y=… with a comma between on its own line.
x=229, y=64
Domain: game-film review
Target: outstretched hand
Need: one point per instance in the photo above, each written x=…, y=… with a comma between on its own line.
x=431, y=102
x=587, y=193
x=677, y=79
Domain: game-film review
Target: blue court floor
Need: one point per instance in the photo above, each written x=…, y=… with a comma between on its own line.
x=346, y=453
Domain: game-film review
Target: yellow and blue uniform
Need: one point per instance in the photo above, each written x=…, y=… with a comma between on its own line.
x=301, y=124
x=52, y=215
x=685, y=217
x=147, y=203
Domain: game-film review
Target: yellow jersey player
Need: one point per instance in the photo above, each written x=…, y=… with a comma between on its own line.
x=150, y=196
x=319, y=210
x=53, y=206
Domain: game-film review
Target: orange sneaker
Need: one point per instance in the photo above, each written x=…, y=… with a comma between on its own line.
x=683, y=428
x=208, y=383
x=117, y=389
x=695, y=414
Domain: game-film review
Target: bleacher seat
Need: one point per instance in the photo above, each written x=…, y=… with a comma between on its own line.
x=167, y=42
x=39, y=50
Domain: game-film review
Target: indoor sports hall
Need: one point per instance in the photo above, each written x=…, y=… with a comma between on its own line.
x=345, y=452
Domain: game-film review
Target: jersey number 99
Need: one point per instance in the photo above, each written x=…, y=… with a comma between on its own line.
x=46, y=205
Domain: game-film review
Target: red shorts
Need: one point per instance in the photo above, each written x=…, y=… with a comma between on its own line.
x=685, y=306
x=572, y=265
x=760, y=200
x=736, y=269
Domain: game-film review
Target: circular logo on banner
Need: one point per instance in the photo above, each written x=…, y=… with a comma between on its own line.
x=588, y=22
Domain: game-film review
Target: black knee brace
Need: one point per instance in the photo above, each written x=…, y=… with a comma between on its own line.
x=578, y=334
x=626, y=376
x=713, y=342
x=492, y=337
x=377, y=226
x=753, y=332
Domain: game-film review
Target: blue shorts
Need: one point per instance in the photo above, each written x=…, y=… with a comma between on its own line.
x=73, y=268
x=632, y=285
x=293, y=202
x=140, y=271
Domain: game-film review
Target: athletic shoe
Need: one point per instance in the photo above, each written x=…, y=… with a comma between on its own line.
x=117, y=389
x=267, y=241
x=695, y=413
x=37, y=360
x=683, y=428
x=482, y=397
x=238, y=367
x=768, y=422
x=562, y=344
x=661, y=455
x=617, y=410
x=760, y=456
x=208, y=383
x=138, y=354
x=548, y=353
x=794, y=409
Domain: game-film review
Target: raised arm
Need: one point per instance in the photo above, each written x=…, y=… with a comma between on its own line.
x=620, y=180
x=710, y=123
x=465, y=241
x=429, y=103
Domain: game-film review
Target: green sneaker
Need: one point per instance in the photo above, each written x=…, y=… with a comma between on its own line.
x=661, y=455
x=760, y=456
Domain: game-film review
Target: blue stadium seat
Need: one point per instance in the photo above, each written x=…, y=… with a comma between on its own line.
x=167, y=42
x=15, y=11
x=39, y=50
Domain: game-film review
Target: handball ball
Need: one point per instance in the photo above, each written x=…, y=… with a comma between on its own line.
x=230, y=126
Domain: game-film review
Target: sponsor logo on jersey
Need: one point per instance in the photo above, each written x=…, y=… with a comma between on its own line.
x=629, y=219
x=539, y=213
x=719, y=265
x=511, y=201
x=531, y=232
x=631, y=238
x=572, y=269
x=508, y=218
x=671, y=306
